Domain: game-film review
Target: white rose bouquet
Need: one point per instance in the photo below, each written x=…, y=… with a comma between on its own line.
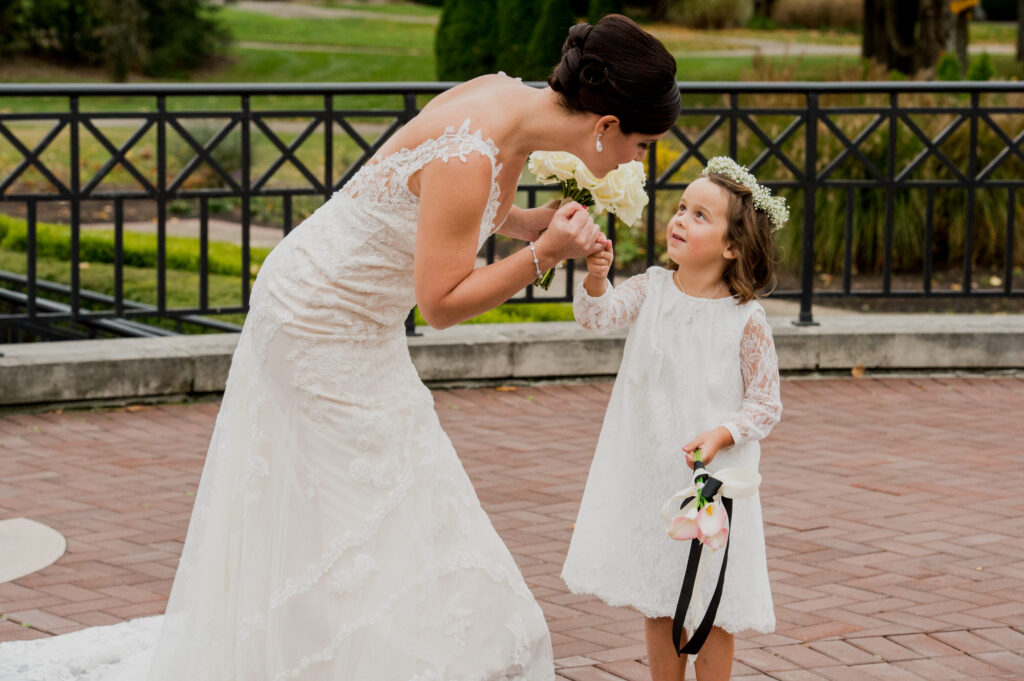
x=620, y=192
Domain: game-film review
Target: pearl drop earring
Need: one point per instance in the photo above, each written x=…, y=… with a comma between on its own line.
x=600, y=147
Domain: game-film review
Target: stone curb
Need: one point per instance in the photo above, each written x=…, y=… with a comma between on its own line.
x=125, y=369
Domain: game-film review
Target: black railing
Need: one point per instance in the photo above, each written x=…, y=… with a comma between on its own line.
x=854, y=160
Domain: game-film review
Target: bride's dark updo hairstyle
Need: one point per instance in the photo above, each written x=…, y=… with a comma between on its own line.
x=616, y=68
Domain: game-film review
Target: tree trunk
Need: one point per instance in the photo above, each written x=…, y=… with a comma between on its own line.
x=960, y=37
x=1020, y=31
x=763, y=8
x=659, y=10
x=905, y=35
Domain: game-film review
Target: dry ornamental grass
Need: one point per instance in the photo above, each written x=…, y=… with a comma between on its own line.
x=818, y=13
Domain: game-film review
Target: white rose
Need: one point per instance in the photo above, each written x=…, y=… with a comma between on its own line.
x=553, y=166
x=622, y=192
x=636, y=197
x=584, y=178
x=610, y=191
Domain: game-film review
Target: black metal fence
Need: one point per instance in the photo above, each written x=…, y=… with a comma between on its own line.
x=883, y=179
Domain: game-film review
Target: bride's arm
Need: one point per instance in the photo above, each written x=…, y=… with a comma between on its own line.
x=453, y=196
x=526, y=224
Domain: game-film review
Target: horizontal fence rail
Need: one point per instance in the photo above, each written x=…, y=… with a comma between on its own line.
x=884, y=180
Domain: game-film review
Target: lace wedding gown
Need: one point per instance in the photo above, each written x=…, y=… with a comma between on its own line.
x=690, y=365
x=335, y=535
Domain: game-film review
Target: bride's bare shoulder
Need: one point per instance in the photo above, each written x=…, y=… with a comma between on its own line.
x=488, y=102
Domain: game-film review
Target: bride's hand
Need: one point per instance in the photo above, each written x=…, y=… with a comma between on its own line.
x=571, y=234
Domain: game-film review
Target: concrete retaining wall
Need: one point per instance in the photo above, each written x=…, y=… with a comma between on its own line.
x=46, y=373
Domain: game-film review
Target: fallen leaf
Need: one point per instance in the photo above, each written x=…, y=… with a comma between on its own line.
x=857, y=371
x=506, y=388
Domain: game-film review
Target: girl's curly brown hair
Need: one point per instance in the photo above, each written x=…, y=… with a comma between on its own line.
x=751, y=274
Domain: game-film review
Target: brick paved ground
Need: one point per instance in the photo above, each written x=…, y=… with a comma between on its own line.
x=893, y=509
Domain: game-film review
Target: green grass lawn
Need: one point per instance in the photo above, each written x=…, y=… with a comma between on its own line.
x=139, y=282
x=406, y=8
x=398, y=36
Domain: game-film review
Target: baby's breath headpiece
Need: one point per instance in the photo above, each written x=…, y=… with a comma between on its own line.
x=774, y=206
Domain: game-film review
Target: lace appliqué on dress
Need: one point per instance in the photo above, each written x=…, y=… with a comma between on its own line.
x=387, y=180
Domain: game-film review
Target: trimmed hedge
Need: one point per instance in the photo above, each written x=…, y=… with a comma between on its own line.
x=545, y=49
x=599, y=8
x=140, y=250
x=466, y=39
x=516, y=21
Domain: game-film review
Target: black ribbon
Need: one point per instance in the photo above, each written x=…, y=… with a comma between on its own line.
x=700, y=634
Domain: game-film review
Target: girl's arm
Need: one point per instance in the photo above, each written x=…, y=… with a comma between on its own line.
x=600, y=308
x=761, y=407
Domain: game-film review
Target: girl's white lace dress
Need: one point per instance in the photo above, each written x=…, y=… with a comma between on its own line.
x=335, y=535
x=690, y=365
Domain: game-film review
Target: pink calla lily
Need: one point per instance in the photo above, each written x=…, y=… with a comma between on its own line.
x=684, y=525
x=715, y=541
x=711, y=519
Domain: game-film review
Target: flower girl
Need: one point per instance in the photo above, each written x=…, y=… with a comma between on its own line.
x=699, y=371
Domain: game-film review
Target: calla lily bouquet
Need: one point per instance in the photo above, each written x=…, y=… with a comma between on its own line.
x=700, y=514
x=700, y=518
x=620, y=192
x=697, y=512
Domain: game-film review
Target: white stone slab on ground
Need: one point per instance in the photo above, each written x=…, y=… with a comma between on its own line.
x=27, y=546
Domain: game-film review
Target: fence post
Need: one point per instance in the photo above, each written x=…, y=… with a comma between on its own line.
x=410, y=112
x=810, y=194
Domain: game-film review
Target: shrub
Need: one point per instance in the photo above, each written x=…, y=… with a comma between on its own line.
x=762, y=23
x=516, y=21
x=140, y=250
x=819, y=13
x=156, y=38
x=465, y=42
x=712, y=14
x=599, y=8
x=981, y=68
x=545, y=49
x=949, y=67
x=183, y=34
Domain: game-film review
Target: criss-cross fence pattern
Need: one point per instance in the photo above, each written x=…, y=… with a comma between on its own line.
x=885, y=181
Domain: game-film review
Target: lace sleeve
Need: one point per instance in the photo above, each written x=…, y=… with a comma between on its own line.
x=615, y=308
x=762, y=407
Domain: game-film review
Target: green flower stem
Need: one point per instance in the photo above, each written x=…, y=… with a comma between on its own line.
x=582, y=196
x=701, y=501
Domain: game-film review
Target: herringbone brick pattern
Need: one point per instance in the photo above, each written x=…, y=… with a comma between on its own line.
x=893, y=510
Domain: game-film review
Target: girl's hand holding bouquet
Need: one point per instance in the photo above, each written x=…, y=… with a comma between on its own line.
x=708, y=443
x=598, y=265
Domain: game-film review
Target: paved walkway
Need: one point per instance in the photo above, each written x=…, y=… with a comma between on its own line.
x=893, y=512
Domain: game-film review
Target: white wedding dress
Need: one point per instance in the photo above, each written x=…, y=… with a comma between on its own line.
x=335, y=535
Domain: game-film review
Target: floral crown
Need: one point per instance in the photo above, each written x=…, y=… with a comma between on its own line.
x=774, y=206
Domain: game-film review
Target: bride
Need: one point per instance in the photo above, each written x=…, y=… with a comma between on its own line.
x=335, y=535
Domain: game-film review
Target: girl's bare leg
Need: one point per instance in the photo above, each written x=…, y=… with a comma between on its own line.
x=666, y=665
x=714, y=663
